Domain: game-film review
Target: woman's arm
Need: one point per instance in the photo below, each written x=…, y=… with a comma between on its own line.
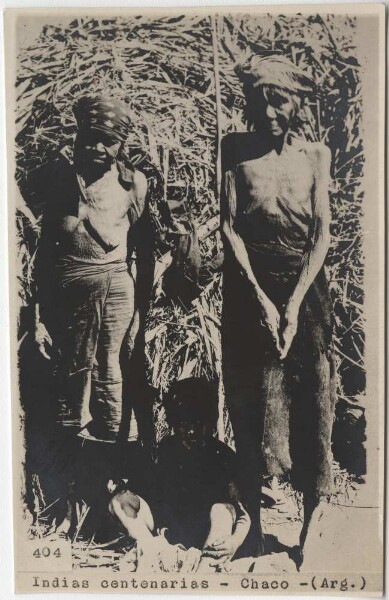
x=242, y=526
x=144, y=244
x=270, y=313
x=46, y=248
x=313, y=261
x=225, y=547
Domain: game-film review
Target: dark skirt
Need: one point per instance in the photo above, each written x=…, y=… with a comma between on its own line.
x=281, y=411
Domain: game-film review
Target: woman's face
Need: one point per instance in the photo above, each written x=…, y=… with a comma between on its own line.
x=97, y=148
x=272, y=110
x=192, y=432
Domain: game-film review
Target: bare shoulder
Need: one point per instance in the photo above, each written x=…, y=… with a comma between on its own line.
x=318, y=153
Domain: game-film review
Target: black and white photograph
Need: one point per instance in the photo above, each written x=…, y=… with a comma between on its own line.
x=196, y=267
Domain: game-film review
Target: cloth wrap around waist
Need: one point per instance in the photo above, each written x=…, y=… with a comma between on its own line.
x=73, y=310
x=277, y=268
x=295, y=397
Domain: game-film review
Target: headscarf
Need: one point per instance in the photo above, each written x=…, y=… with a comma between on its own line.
x=274, y=70
x=100, y=113
x=109, y=116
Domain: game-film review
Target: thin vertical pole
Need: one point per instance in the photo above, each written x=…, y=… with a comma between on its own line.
x=219, y=114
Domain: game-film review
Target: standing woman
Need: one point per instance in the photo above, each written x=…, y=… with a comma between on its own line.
x=89, y=302
x=278, y=365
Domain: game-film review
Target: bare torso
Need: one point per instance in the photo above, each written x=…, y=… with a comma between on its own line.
x=106, y=211
x=274, y=196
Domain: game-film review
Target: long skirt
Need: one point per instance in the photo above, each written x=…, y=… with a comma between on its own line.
x=281, y=411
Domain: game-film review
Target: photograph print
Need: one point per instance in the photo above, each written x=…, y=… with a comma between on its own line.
x=196, y=242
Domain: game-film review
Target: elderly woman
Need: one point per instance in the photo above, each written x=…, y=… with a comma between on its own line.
x=95, y=214
x=277, y=316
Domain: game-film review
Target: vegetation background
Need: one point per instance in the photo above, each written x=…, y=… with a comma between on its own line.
x=165, y=70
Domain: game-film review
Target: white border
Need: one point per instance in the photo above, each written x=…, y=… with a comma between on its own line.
x=6, y=529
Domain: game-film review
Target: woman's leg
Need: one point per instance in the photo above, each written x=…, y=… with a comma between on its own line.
x=72, y=391
x=134, y=515
x=221, y=522
x=222, y=517
x=311, y=428
x=310, y=501
x=106, y=392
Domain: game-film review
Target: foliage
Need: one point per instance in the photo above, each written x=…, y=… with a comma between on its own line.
x=164, y=69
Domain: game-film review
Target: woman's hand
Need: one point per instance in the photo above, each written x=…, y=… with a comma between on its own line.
x=271, y=320
x=290, y=328
x=42, y=339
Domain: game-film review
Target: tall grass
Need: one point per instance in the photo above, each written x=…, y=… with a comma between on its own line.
x=164, y=69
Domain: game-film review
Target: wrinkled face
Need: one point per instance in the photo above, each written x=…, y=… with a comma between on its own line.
x=192, y=432
x=97, y=148
x=272, y=110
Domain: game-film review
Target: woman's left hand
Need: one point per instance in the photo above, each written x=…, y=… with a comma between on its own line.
x=290, y=323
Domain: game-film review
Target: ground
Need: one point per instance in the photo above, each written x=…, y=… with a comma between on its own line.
x=333, y=542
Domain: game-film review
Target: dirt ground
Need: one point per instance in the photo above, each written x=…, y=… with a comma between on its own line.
x=333, y=542
x=281, y=526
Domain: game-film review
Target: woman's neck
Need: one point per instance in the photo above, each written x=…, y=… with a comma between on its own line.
x=273, y=142
x=90, y=172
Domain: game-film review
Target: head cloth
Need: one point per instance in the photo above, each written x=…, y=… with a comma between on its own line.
x=109, y=116
x=99, y=113
x=274, y=70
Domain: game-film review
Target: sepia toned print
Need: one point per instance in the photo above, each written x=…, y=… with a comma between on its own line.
x=196, y=273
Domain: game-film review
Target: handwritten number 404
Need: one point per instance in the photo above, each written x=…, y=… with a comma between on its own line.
x=45, y=552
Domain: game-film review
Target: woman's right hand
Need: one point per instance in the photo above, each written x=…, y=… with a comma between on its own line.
x=42, y=339
x=271, y=320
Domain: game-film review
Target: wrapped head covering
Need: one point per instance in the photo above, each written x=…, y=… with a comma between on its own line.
x=274, y=70
x=99, y=113
x=108, y=116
